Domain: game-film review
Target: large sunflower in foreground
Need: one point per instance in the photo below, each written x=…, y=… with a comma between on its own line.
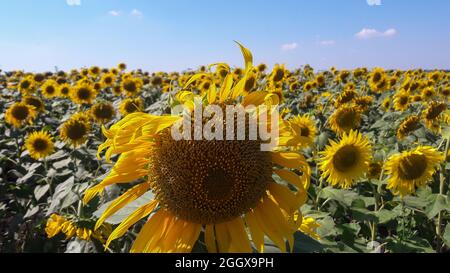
x=412, y=169
x=218, y=187
x=344, y=162
x=39, y=144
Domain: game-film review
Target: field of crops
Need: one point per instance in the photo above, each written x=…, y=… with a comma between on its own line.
x=87, y=163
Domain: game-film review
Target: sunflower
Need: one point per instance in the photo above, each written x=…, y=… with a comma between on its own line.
x=27, y=85
x=94, y=71
x=345, y=97
x=83, y=93
x=417, y=98
x=401, y=101
x=102, y=112
x=36, y=102
x=75, y=130
x=117, y=90
x=445, y=91
x=39, y=78
x=344, y=162
x=39, y=145
x=156, y=81
x=218, y=187
x=375, y=169
x=412, y=169
x=345, y=118
x=363, y=102
x=132, y=86
x=320, y=80
x=261, y=67
x=129, y=106
x=20, y=114
x=302, y=127
x=64, y=90
x=250, y=82
x=122, y=66
x=428, y=93
x=377, y=80
x=278, y=73
x=50, y=89
x=57, y=224
x=343, y=76
x=408, y=126
x=432, y=115
x=386, y=104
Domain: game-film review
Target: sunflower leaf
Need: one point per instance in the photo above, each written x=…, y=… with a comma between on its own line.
x=447, y=235
x=438, y=204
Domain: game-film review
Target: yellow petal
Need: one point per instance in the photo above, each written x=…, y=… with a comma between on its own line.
x=239, y=238
x=210, y=239
x=255, y=98
x=223, y=238
x=255, y=231
x=226, y=87
x=131, y=220
x=248, y=57
x=129, y=196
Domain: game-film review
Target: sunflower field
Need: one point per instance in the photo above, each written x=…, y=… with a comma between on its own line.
x=87, y=163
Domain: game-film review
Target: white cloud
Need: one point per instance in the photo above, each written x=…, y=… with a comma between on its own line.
x=288, y=47
x=368, y=33
x=374, y=2
x=114, y=13
x=327, y=42
x=136, y=13
x=73, y=2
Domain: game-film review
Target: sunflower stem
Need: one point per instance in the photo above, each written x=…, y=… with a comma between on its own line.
x=441, y=192
x=376, y=209
x=319, y=191
x=47, y=179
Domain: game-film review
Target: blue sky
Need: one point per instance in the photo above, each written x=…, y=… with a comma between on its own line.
x=173, y=35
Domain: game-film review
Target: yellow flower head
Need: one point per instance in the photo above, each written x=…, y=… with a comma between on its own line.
x=220, y=187
x=20, y=114
x=129, y=106
x=102, y=112
x=411, y=169
x=39, y=144
x=75, y=130
x=83, y=93
x=345, y=118
x=346, y=161
x=50, y=89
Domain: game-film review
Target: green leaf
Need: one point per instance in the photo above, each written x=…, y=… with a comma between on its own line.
x=327, y=227
x=345, y=197
x=31, y=211
x=62, y=163
x=306, y=244
x=385, y=216
x=61, y=191
x=361, y=214
x=412, y=245
x=437, y=205
x=40, y=191
x=322, y=140
x=447, y=235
